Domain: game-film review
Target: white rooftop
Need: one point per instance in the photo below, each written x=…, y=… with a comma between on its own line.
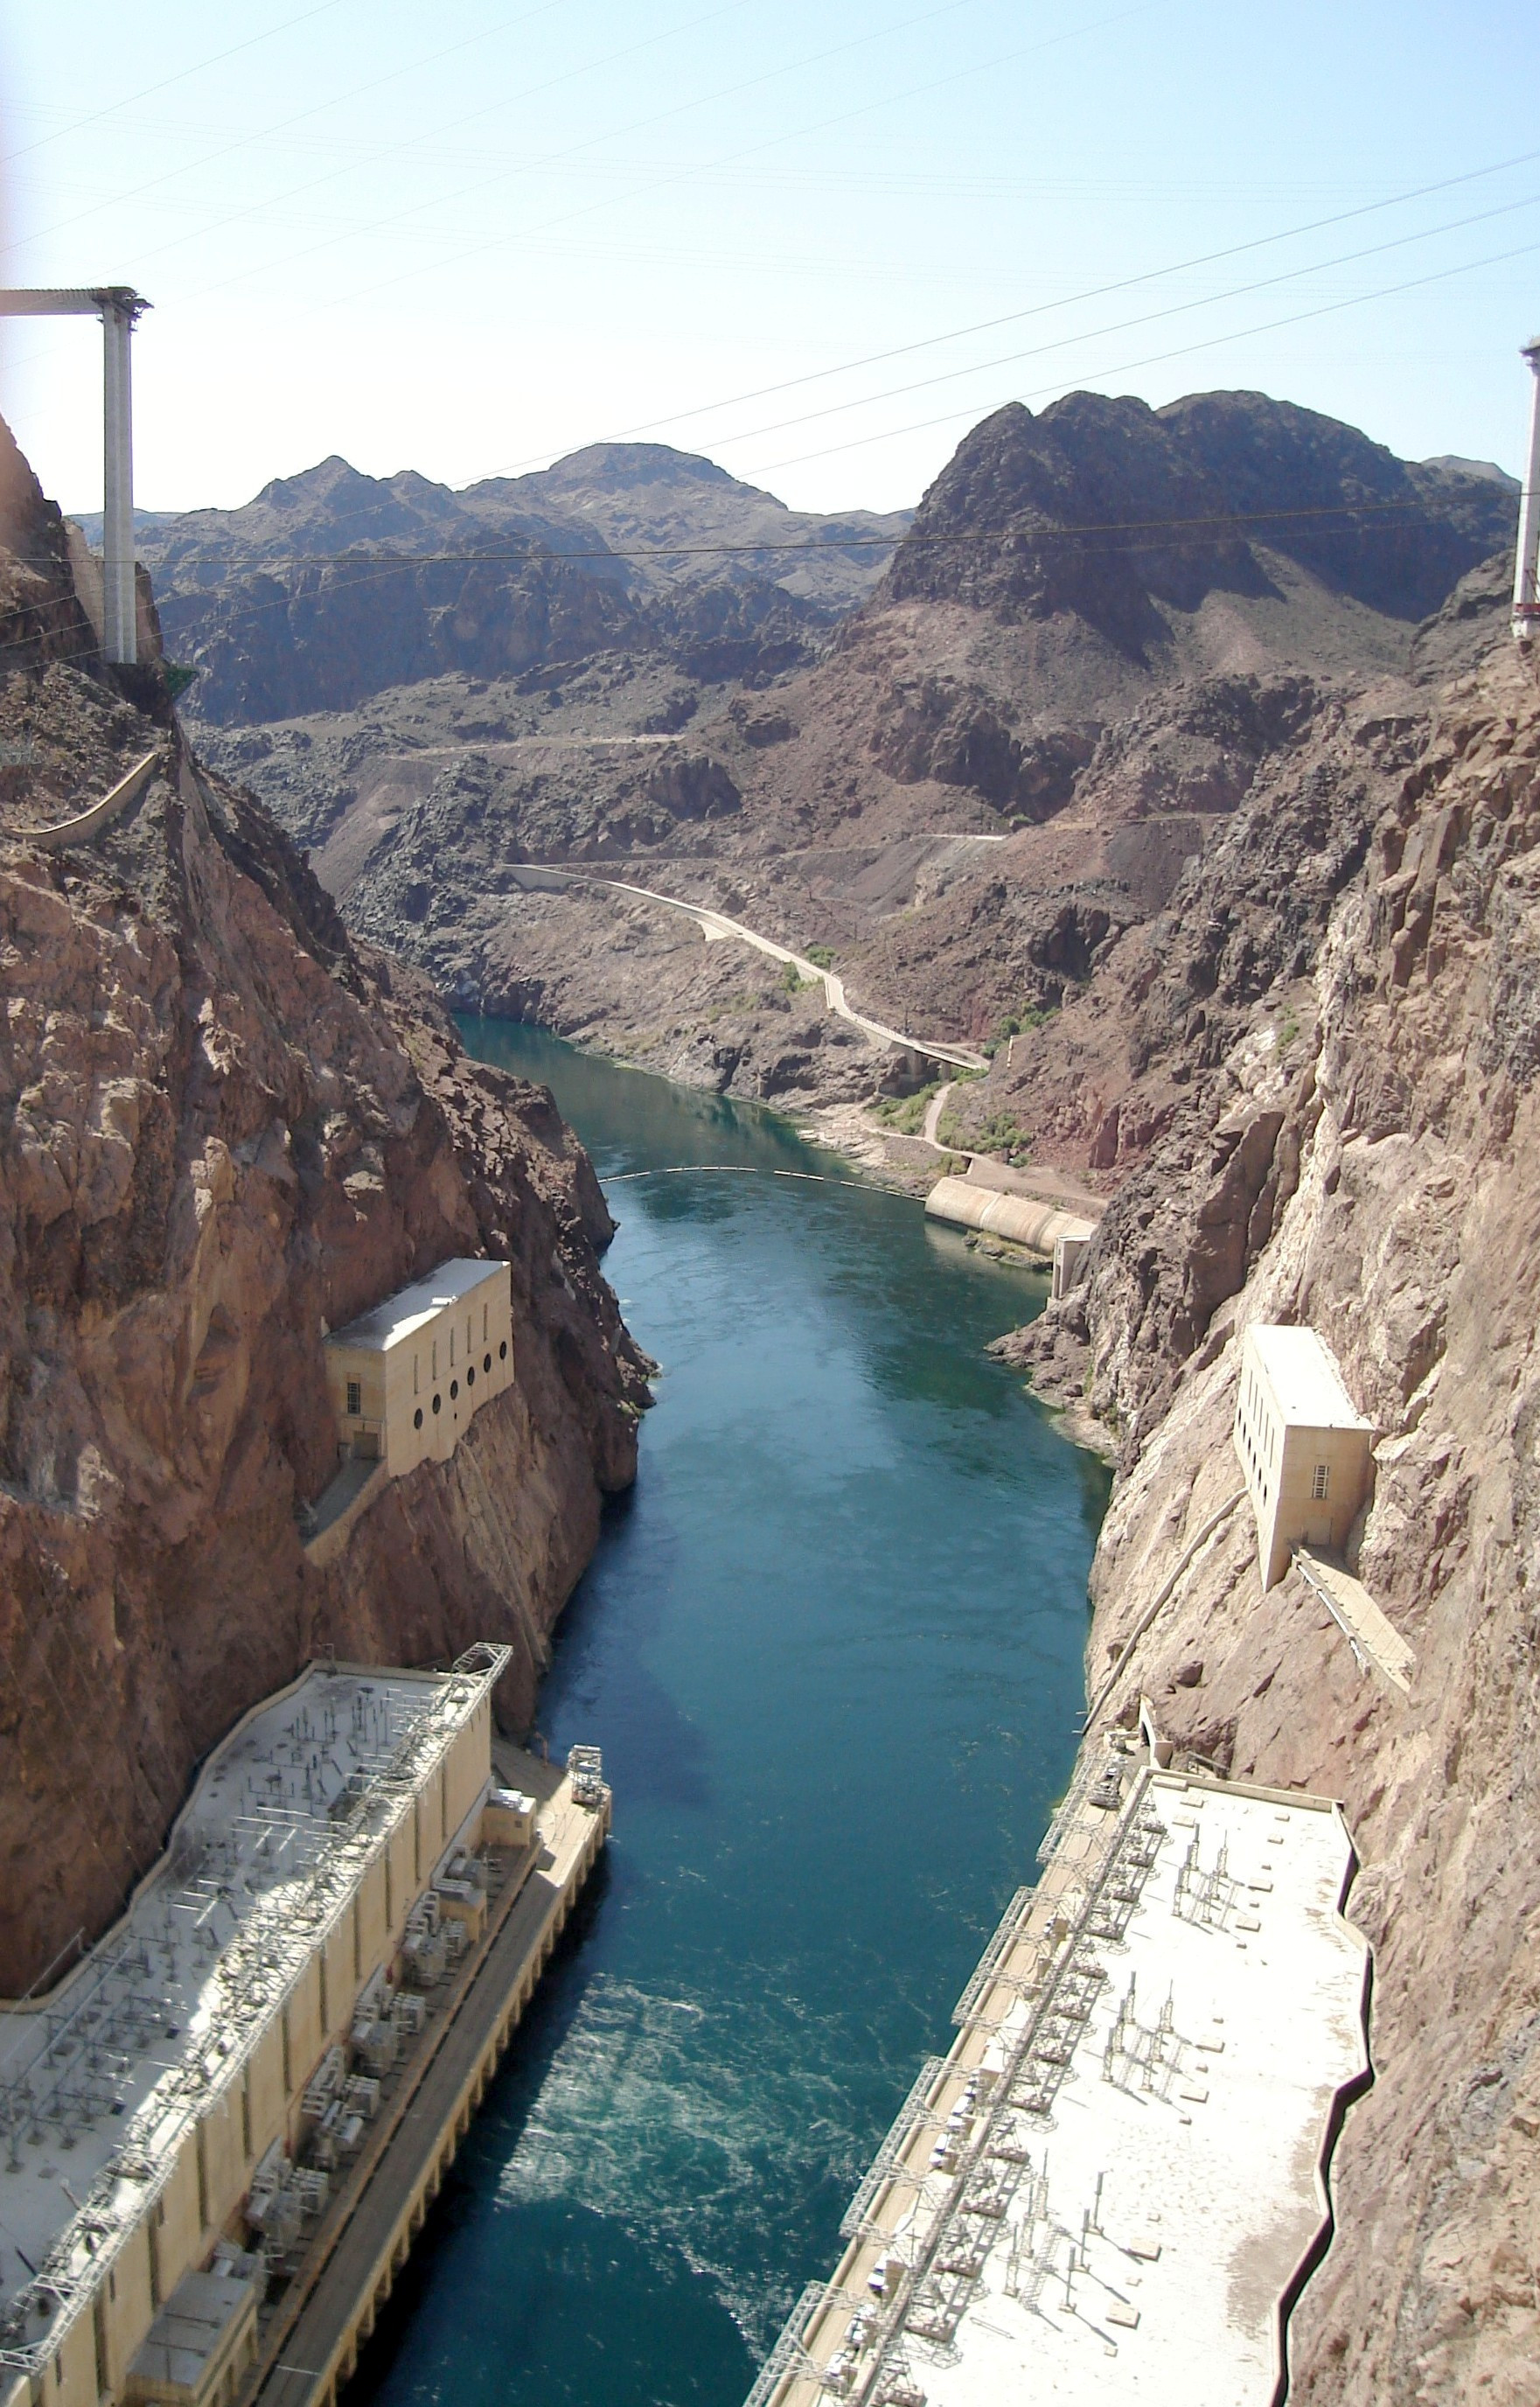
x=1104, y=2194
x=412, y=1308
x=1303, y=1371
x=98, y=2082
x=1194, y=2151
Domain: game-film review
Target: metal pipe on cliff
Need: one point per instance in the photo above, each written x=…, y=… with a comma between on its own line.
x=1526, y=572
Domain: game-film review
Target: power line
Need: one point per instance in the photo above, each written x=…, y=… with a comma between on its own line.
x=1155, y=359
x=131, y=100
x=1070, y=301
x=1172, y=309
x=932, y=84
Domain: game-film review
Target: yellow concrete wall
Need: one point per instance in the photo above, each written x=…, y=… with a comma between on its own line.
x=341, y=1980
x=178, y=2226
x=224, y=2155
x=469, y=1763
x=127, y=2308
x=405, y=1884
x=267, y=2090
x=374, y=1931
x=306, y=2038
x=71, y=2375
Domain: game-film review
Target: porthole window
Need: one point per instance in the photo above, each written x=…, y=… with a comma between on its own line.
x=487, y=1363
x=503, y=1351
x=470, y=1376
x=454, y=1390
x=417, y=1417
x=438, y=1402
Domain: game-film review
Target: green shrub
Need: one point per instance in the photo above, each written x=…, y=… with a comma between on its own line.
x=905, y=1113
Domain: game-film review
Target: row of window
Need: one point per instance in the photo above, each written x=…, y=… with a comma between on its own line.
x=454, y=1383
x=355, y=1387
x=486, y=1310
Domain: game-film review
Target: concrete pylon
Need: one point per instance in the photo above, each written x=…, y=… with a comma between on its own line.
x=1526, y=571
x=118, y=307
x=119, y=609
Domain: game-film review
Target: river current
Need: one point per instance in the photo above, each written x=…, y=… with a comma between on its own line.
x=830, y=1646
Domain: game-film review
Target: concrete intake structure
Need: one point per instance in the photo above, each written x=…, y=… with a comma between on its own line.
x=119, y=308
x=1303, y=1444
x=406, y=1377
x=1043, y=1228
x=210, y=2072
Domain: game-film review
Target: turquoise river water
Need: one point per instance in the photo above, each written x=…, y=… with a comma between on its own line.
x=830, y=1646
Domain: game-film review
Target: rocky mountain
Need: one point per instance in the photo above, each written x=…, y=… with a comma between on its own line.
x=227, y=1126
x=1106, y=625
x=660, y=506
x=332, y=586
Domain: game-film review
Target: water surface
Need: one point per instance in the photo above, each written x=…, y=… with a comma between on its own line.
x=831, y=1647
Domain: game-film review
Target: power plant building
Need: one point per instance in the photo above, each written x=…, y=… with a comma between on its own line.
x=1303, y=1444
x=170, y=2111
x=407, y=1377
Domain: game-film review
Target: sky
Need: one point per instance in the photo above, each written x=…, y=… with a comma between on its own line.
x=815, y=242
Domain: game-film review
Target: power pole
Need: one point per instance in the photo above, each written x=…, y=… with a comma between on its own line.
x=119, y=308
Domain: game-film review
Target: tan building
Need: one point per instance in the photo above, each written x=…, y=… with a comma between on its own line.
x=407, y=1377
x=168, y=2111
x=1303, y=1447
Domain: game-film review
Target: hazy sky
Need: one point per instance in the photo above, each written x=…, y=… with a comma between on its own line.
x=468, y=238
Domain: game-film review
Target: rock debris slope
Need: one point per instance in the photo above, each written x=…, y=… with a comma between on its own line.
x=1358, y=1146
x=225, y=1127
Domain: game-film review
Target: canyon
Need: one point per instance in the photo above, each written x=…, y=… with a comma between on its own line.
x=1181, y=761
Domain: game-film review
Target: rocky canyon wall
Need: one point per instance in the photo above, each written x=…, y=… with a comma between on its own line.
x=1361, y=1152
x=225, y=1127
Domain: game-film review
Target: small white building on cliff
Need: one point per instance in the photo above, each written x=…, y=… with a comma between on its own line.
x=1303, y=1444
x=407, y=1377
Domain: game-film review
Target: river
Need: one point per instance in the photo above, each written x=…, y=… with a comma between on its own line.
x=831, y=1646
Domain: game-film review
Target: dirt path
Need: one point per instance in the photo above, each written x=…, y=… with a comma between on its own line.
x=717, y=927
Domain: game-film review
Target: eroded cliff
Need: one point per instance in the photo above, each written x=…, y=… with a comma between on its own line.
x=224, y=1128
x=1359, y=1148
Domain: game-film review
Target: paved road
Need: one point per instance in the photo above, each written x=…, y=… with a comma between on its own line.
x=715, y=926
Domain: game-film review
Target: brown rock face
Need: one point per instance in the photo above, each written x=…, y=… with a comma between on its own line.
x=222, y=1128
x=1389, y=1101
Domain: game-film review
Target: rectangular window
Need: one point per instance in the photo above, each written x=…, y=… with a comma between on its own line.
x=435, y=1357
x=355, y=1396
x=451, y=1350
x=414, y=1374
x=1320, y=1482
x=483, y=1324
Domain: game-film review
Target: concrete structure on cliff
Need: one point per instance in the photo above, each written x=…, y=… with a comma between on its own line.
x=1303, y=1444
x=197, y=2105
x=120, y=309
x=407, y=1377
x=1112, y=2187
